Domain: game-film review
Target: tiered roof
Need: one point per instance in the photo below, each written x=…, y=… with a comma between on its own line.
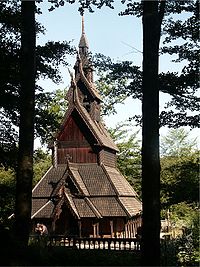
x=100, y=191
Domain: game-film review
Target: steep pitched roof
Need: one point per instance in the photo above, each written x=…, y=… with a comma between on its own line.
x=97, y=129
x=122, y=187
x=83, y=41
x=49, y=182
x=90, y=86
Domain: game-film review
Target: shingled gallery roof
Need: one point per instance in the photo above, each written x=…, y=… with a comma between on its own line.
x=103, y=192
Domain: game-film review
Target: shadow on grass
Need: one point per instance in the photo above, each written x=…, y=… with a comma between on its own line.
x=60, y=256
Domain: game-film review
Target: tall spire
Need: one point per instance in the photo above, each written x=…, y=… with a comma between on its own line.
x=83, y=44
x=83, y=26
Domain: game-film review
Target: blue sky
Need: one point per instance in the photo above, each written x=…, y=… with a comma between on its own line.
x=108, y=33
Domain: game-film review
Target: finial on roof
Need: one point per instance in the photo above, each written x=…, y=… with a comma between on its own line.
x=83, y=26
x=83, y=41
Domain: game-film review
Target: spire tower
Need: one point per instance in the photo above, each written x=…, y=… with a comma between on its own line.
x=83, y=26
x=83, y=44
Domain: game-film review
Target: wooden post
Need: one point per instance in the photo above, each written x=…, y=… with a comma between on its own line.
x=97, y=229
x=111, y=228
x=129, y=229
x=80, y=228
x=94, y=230
x=53, y=225
x=134, y=228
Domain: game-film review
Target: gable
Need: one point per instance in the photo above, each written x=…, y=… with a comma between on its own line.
x=75, y=141
x=75, y=133
x=72, y=132
x=94, y=132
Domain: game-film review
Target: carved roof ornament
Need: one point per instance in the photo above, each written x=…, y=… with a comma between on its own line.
x=85, y=80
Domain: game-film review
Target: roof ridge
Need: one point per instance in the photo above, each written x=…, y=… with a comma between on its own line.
x=59, y=183
x=74, y=209
x=116, y=171
x=121, y=204
x=94, y=209
x=108, y=176
x=89, y=85
x=88, y=120
x=35, y=187
x=47, y=203
x=98, y=131
x=75, y=181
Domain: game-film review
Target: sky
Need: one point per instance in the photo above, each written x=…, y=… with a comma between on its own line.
x=119, y=37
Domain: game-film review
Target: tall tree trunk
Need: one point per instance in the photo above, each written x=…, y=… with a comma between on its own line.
x=150, y=135
x=26, y=128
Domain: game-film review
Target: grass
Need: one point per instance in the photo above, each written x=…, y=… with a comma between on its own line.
x=61, y=256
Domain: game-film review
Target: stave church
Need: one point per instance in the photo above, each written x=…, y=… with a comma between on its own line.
x=83, y=194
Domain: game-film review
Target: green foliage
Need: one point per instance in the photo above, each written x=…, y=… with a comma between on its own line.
x=185, y=85
x=177, y=143
x=184, y=215
x=179, y=163
x=83, y=4
x=180, y=32
x=179, y=168
x=180, y=194
x=49, y=58
x=50, y=109
x=188, y=244
x=129, y=156
x=42, y=162
x=182, y=250
x=116, y=81
x=7, y=193
x=179, y=179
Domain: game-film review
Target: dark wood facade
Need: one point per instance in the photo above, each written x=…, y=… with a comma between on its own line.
x=73, y=144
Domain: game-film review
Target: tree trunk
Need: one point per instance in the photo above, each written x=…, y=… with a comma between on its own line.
x=26, y=127
x=150, y=136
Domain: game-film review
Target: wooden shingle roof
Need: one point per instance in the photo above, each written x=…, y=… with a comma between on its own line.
x=45, y=211
x=108, y=206
x=95, y=180
x=121, y=185
x=132, y=205
x=49, y=182
x=103, y=191
x=83, y=208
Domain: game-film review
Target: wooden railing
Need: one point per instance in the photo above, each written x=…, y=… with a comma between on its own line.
x=90, y=243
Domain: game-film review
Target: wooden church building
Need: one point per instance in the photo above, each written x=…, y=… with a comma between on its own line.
x=83, y=193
